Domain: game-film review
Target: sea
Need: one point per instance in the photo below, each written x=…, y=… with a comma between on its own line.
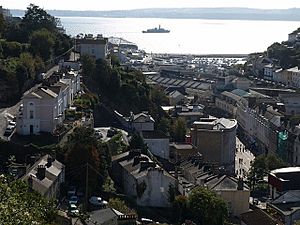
x=187, y=36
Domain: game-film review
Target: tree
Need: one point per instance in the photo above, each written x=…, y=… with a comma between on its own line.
x=36, y=18
x=119, y=205
x=207, y=207
x=261, y=166
x=164, y=125
x=82, y=152
x=178, y=131
x=21, y=206
x=2, y=24
x=180, y=209
x=41, y=43
x=88, y=65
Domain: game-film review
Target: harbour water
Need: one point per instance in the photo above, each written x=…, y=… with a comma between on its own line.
x=187, y=36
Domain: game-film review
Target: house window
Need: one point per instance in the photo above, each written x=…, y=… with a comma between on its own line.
x=31, y=114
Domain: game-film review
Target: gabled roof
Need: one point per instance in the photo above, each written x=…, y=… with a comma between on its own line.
x=102, y=216
x=147, y=117
x=42, y=93
x=257, y=217
x=223, y=183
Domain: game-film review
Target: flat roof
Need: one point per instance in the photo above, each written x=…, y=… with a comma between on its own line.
x=286, y=170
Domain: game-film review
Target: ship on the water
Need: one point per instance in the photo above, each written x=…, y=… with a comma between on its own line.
x=156, y=30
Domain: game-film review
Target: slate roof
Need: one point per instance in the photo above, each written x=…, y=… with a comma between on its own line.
x=257, y=217
x=102, y=216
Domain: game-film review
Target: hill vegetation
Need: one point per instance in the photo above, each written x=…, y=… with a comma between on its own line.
x=28, y=46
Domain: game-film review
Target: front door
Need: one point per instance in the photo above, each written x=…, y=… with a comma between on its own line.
x=31, y=129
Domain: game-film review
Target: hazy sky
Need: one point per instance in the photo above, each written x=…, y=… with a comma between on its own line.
x=135, y=4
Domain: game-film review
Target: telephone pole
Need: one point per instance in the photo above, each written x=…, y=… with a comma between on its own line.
x=86, y=186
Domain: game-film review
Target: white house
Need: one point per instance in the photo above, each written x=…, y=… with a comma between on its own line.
x=92, y=46
x=72, y=79
x=158, y=143
x=143, y=179
x=43, y=109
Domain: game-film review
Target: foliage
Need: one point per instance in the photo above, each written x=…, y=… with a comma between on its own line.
x=26, y=46
x=19, y=205
x=137, y=142
x=202, y=206
x=82, y=149
x=36, y=18
x=41, y=43
x=206, y=207
x=108, y=185
x=116, y=144
x=164, y=125
x=119, y=205
x=261, y=166
x=178, y=130
x=287, y=57
x=180, y=208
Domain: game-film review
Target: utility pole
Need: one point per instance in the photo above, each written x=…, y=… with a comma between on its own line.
x=86, y=186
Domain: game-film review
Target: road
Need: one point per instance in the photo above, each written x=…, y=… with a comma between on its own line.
x=243, y=159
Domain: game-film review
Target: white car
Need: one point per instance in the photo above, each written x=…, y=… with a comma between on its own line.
x=97, y=201
x=73, y=210
x=12, y=123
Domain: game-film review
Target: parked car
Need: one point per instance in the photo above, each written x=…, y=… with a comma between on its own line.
x=73, y=210
x=73, y=200
x=8, y=131
x=97, y=201
x=12, y=123
x=71, y=191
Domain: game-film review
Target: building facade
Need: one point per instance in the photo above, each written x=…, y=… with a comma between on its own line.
x=215, y=139
x=95, y=46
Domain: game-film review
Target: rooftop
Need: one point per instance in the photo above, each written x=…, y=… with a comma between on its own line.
x=286, y=170
x=257, y=217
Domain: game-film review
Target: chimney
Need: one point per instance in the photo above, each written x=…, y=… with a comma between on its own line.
x=41, y=172
x=240, y=186
x=145, y=165
x=133, y=153
x=49, y=161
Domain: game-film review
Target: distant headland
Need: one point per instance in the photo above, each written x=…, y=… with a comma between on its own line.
x=292, y=14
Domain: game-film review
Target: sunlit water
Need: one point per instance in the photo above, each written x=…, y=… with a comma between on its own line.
x=187, y=36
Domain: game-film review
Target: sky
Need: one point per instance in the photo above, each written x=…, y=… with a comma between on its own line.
x=138, y=4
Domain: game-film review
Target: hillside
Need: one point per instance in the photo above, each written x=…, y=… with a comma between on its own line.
x=185, y=13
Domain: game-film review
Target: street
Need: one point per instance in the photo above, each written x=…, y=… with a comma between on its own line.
x=243, y=159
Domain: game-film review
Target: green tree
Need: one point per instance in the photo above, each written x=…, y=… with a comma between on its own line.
x=2, y=24
x=261, y=166
x=36, y=18
x=88, y=65
x=180, y=209
x=178, y=131
x=82, y=150
x=207, y=207
x=164, y=125
x=41, y=43
x=119, y=205
x=27, y=60
x=21, y=206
